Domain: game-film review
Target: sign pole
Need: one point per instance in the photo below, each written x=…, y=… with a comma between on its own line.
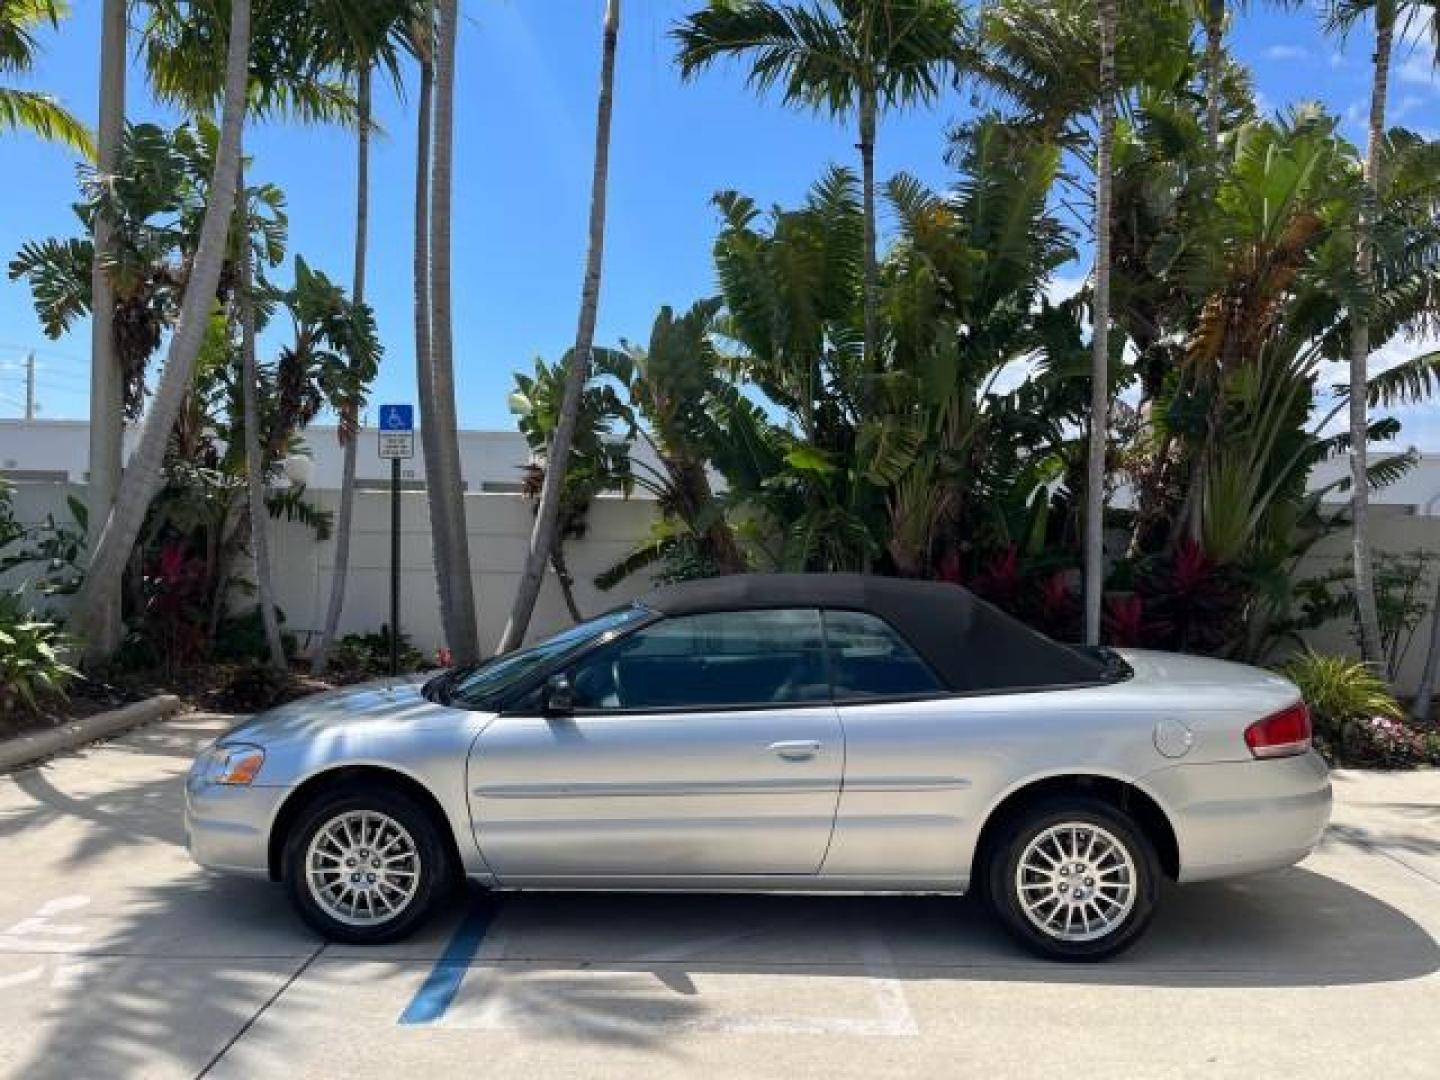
x=397, y=444
x=394, y=567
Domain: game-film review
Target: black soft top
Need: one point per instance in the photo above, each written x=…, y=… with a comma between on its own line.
x=971, y=645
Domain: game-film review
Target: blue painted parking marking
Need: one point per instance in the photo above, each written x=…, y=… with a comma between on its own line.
x=443, y=982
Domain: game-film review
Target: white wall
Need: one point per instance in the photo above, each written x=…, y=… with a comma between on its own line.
x=499, y=531
x=1394, y=531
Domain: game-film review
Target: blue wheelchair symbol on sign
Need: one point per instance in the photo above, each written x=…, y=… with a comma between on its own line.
x=397, y=418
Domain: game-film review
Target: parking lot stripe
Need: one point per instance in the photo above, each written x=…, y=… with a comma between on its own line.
x=443, y=982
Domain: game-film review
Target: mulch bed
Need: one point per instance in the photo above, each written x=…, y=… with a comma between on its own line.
x=208, y=688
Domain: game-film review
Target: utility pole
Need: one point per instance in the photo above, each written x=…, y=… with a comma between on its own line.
x=30, y=387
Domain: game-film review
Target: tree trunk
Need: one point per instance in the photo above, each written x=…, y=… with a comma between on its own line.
x=1425, y=693
x=567, y=582
x=1100, y=338
x=107, y=392
x=872, y=266
x=1214, y=68
x=145, y=472
x=543, y=537
x=1368, y=614
x=440, y=549
x=349, y=424
x=449, y=492
x=250, y=406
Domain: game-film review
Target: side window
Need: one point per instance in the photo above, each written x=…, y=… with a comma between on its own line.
x=714, y=660
x=869, y=659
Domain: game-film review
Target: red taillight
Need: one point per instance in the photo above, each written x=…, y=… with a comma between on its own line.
x=1282, y=734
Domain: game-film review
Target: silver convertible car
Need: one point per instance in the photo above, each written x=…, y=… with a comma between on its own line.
x=777, y=732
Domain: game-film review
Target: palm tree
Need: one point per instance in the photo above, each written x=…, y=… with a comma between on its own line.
x=545, y=535
x=1344, y=14
x=1100, y=339
x=106, y=398
x=843, y=57
x=29, y=110
x=1213, y=16
x=143, y=475
x=366, y=42
x=422, y=42
x=444, y=484
x=349, y=424
x=288, y=73
x=249, y=396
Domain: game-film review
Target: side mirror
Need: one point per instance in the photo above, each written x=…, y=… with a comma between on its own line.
x=559, y=698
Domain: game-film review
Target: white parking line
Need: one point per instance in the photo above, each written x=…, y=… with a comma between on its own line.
x=39, y=933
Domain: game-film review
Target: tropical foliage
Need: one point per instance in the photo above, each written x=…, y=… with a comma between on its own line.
x=32, y=110
x=32, y=668
x=773, y=441
x=188, y=567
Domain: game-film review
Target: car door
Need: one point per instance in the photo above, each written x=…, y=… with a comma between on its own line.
x=699, y=746
x=909, y=790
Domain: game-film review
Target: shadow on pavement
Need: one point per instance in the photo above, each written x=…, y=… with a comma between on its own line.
x=188, y=964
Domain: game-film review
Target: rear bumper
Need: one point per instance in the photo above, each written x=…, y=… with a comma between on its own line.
x=1238, y=817
x=228, y=828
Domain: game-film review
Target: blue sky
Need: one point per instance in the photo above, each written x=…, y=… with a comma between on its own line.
x=525, y=116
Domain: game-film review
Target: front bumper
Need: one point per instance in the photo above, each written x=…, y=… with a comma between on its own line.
x=1239, y=817
x=228, y=827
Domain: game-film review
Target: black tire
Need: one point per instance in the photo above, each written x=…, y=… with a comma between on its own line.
x=432, y=863
x=1002, y=883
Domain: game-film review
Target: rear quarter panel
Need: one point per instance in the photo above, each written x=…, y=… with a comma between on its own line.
x=922, y=777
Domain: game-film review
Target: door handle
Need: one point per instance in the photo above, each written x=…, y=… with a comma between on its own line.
x=798, y=750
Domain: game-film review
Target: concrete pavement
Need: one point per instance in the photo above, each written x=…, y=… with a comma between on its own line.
x=119, y=958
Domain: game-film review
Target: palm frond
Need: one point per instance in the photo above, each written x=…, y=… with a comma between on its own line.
x=43, y=116
x=1405, y=383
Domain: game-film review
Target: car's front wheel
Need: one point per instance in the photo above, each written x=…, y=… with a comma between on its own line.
x=1074, y=879
x=365, y=867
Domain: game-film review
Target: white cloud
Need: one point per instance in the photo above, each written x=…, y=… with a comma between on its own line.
x=1408, y=104
x=1337, y=59
x=1286, y=52
x=1063, y=286
x=1418, y=69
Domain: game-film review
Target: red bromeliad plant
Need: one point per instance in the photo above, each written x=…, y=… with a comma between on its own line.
x=1054, y=609
x=1195, y=603
x=1125, y=624
x=174, y=605
x=1000, y=580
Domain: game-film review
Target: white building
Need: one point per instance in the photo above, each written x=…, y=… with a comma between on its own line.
x=490, y=462
x=59, y=450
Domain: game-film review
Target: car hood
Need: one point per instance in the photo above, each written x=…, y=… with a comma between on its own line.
x=381, y=702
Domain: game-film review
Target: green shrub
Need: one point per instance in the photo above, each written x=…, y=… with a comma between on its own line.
x=240, y=639
x=359, y=656
x=30, y=666
x=255, y=687
x=1357, y=720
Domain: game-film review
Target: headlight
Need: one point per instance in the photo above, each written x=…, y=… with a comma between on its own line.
x=236, y=765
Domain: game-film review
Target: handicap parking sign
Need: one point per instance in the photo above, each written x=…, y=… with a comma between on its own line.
x=397, y=431
x=397, y=417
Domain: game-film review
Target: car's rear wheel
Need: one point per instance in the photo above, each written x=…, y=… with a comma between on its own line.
x=1073, y=879
x=365, y=867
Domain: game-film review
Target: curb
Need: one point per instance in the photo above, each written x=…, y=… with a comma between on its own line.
x=26, y=749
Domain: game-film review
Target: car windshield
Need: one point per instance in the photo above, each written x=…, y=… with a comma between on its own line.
x=481, y=683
